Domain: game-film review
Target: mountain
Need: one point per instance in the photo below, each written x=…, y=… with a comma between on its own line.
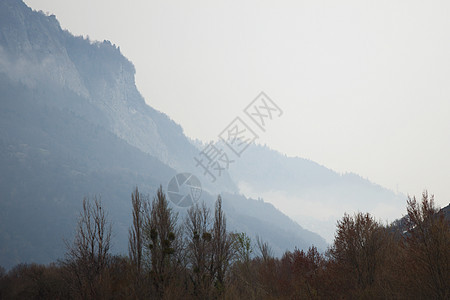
x=73, y=124
x=400, y=225
x=446, y=212
x=309, y=193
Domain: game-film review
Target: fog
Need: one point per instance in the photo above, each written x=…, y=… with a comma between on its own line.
x=363, y=85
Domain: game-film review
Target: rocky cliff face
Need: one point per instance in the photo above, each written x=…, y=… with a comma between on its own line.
x=32, y=49
x=35, y=51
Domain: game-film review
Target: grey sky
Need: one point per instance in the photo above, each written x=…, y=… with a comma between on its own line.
x=364, y=85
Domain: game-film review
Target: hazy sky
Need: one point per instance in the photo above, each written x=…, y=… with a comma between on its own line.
x=364, y=85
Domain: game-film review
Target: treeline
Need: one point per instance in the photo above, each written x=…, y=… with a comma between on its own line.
x=199, y=258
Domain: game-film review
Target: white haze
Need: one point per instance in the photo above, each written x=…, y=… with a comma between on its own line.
x=364, y=85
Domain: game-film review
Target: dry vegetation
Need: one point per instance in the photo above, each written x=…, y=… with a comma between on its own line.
x=409, y=259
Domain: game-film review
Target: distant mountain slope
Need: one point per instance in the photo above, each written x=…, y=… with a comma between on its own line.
x=72, y=123
x=401, y=225
x=253, y=215
x=311, y=194
x=446, y=212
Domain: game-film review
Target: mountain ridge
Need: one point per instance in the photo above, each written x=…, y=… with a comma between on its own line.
x=73, y=124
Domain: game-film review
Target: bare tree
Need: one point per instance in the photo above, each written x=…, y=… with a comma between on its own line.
x=222, y=247
x=199, y=249
x=243, y=270
x=162, y=240
x=427, y=249
x=264, y=249
x=88, y=256
x=135, y=239
x=243, y=247
x=359, y=248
